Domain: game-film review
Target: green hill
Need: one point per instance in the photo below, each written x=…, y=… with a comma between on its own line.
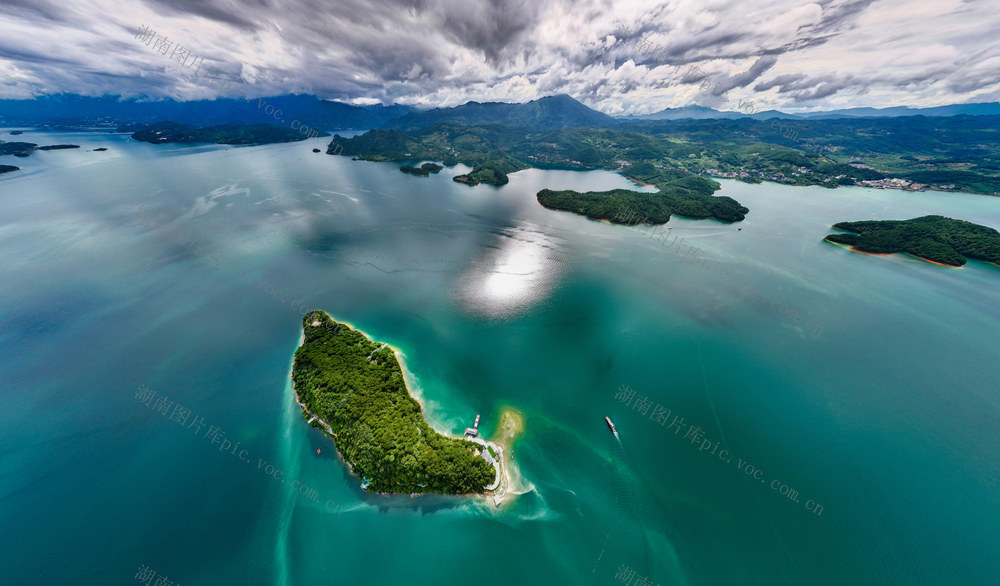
x=356, y=385
x=935, y=238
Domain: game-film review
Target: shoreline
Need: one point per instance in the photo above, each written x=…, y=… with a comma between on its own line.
x=933, y=262
x=634, y=180
x=499, y=441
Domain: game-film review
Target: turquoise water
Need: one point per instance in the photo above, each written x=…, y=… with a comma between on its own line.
x=877, y=404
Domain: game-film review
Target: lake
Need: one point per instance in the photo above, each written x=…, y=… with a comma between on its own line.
x=790, y=412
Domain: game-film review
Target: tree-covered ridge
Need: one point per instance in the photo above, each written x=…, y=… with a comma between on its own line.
x=169, y=132
x=548, y=112
x=960, y=153
x=935, y=238
x=956, y=153
x=356, y=386
x=503, y=148
x=494, y=151
x=8, y=169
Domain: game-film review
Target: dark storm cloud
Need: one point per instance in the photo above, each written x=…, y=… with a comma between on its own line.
x=630, y=56
x=239, y=13
x=490, y=26
x=745, y=78
x=791, y=81
x=40, y=11
x=805, y=88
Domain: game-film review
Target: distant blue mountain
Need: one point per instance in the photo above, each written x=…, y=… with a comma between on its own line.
x=560, y=111
x=702, y=113
x=550, y=112
x=978, y=109
x=75, y=110
x=686, y=113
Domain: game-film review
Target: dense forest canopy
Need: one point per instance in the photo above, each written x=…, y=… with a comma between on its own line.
x=357, y=386
x=934, y=238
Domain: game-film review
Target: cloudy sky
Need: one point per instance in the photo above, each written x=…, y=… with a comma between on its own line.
x=619, y=57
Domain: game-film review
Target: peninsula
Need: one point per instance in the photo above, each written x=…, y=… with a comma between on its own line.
x=680, y=193
x=494, y=151
x=353, y=388
x=169, y=132
x=934, y=238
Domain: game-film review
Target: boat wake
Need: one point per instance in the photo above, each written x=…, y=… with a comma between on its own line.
x=614, y=463
x=290, y=445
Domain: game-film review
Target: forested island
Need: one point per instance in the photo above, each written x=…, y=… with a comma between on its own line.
x=356, y=387
x=935, y=238
x=423, y=170
x=414, y=171
x=680, y=193
x=8, y=169
x=24, y=149
x=171, y=132
x=17, y=148
x=494, y=173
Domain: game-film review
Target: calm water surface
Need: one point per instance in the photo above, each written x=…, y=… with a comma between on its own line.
x=790, y=412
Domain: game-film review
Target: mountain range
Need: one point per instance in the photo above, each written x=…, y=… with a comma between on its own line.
x=703, y=113
x=560, y=111
x=70, y=110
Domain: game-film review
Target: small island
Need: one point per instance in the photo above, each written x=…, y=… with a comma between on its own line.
x=936, y=239
x=423, y=170
x=414, y=171
x=489, y=173
x=24, y=149
x=8, y=169
x=17, y=148
x=353, y=388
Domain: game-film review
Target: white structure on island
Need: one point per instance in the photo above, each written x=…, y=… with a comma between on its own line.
x=493, y=454
x=474, y=430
